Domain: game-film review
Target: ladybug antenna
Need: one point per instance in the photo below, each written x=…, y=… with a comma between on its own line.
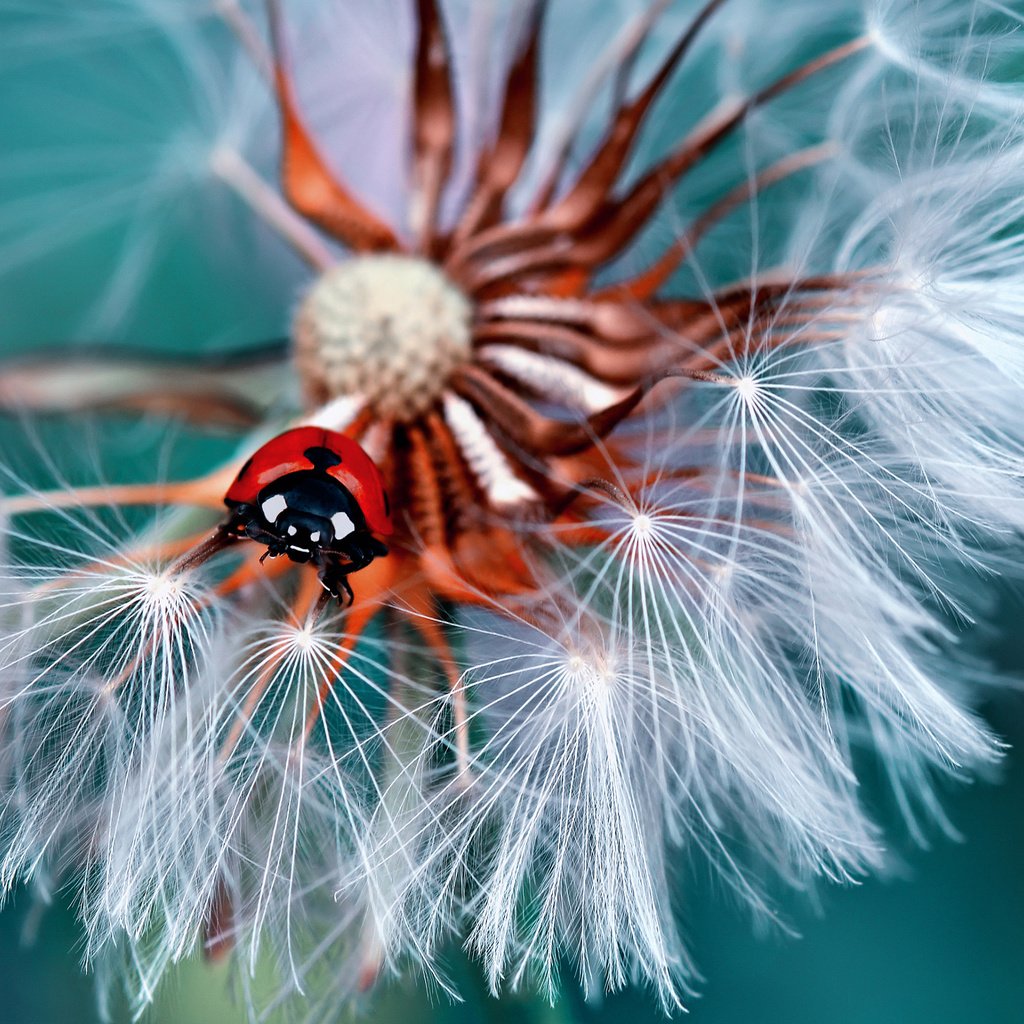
x=322, y=458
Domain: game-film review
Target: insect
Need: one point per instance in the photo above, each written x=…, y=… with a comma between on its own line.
x=313, y=495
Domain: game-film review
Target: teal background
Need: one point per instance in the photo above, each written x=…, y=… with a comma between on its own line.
x=941, y=940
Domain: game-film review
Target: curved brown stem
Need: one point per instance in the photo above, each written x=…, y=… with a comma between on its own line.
x=622, y=367
x=617, y=58
x=615, y=322
x=207, y=491
x=433, y=122
x=578, y=534
x=594, y=185
x=621, y=221
x=644, y=285
x=461, y=493
x=499, y=166
x=309, y=185
x=738, y=302
x=224, y=391
x=426, y=502
x=529, y=249
x=537, y=434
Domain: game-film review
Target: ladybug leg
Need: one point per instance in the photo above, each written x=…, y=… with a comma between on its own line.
x=333, y=576
x=360, y=552
x=243, y=523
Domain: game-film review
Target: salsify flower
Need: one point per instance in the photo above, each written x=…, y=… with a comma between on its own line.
x=686, y=338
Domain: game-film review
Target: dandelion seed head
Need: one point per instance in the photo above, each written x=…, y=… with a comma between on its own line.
x=747, y=387
x=387, y=328
x=642, y=524
x=304, y=638
x=164, y=590
x=591, y=672
x=674, y=540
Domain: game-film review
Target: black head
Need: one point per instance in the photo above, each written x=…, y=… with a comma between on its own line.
x=304, y=514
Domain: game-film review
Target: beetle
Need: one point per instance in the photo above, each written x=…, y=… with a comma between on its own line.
x=314, y=495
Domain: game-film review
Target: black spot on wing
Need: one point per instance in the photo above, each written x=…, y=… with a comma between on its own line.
x=322, y=458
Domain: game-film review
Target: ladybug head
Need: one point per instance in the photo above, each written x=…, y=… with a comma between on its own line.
x=305, y=513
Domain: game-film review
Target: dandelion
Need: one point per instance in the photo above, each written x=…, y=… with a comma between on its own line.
x=686, y=342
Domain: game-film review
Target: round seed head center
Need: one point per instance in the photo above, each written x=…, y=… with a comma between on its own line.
x=390, y=329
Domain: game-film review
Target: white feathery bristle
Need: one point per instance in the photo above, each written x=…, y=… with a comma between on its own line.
x=554, y=378
x=337, y=414
x=490, y=466
x=766, y=595
x=962, y=52
x=567, y=791
x=933, y=351
x=95, y=663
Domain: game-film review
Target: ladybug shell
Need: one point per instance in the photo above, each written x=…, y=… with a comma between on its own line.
x=286, y=453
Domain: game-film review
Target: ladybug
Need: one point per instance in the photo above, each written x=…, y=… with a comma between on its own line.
x=313, y=495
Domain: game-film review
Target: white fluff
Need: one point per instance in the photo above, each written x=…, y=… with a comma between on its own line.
x=779, y=599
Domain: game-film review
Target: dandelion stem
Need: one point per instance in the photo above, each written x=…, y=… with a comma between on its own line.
x=207, y=491
x=433, y=123
x=619, y=57
x=248, y=35
x=202, y=552
x=423, y=621
x=234, y=170
x=218, y=931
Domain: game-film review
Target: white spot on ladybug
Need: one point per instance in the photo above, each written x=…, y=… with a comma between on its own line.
x=342, y=524
x=315, y=536
x=273, y=507
x=292, y=531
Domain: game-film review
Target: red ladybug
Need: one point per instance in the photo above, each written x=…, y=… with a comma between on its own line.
x=315, y=496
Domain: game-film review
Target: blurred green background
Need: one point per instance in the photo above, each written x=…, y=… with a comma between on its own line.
x=941, y=940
